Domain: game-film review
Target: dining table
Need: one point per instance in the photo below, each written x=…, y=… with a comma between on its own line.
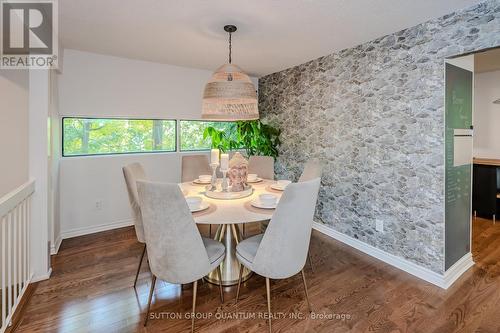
x=228, y=214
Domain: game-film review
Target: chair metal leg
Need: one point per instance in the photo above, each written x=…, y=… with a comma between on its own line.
x=219, y=272
x=210, y=230
x=195, y=289
x=305, y=289
x=268, y=289
x=244, y=232
x=153, y=282
x=140, y=263
x=239, y=284
x=310, y=261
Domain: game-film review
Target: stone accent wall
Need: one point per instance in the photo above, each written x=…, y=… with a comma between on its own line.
x=375, y=115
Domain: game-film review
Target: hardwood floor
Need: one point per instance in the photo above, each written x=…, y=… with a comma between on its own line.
x=91, y=291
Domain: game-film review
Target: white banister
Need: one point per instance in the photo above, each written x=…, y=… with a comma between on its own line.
x=15, y=274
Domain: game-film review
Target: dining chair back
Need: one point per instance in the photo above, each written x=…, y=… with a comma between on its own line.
x=193, y=166
x=263, y=166
x=132, y=173
x=177, y=252
x=312, y=169
x=175, y=247
x=283, y=250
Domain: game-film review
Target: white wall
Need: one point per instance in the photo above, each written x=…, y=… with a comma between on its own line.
x=86, y=181
x=14, y=104
x=97, y=85
x=487, y=115
x=104, y=86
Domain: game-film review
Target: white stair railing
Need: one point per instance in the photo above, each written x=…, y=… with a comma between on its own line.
x=15, y=270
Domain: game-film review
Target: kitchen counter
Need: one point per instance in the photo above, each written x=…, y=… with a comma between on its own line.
x=486, y=161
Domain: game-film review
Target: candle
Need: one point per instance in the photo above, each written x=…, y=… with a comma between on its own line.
x=224, y=161
x=214, y=156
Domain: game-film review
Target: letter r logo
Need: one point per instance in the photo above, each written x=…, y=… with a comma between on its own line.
x=27, y=27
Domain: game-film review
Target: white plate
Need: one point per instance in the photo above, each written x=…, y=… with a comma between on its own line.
x=198, y=181
x=258, y=180
x=257, y=203
x=204, y=205
x=275, y=186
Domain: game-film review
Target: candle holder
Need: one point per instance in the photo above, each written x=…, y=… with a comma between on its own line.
x=213, y=184
x=225, y=184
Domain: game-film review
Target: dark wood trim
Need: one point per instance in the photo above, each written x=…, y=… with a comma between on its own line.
x=21, y=308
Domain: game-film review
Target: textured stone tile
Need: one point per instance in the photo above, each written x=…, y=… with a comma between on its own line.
x=375, y=115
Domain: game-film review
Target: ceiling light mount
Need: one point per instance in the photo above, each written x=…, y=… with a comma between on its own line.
x=230, y=28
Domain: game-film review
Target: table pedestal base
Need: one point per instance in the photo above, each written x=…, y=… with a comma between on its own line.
x=230, y=236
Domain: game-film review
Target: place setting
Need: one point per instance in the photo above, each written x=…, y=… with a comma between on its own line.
x=197, y=204
x=253, y=178
x=203, y=180
x=265, y=201
x=279, y=185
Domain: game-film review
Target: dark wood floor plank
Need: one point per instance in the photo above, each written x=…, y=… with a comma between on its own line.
x=91, y=291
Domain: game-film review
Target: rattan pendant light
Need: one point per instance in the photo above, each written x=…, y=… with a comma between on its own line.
x=229, y=94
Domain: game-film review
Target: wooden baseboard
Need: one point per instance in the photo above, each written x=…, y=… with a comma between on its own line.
x=21, y=307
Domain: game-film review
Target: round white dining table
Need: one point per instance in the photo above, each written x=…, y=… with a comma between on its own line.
x=228, y=214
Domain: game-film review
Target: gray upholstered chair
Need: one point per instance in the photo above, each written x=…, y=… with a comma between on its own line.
x=263, y=166
x=193, y=166
x=312, y=169
x=177, y=252
x=281, y=251
x=132, y=173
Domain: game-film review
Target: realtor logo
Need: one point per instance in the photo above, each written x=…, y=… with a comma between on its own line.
x=29, y=38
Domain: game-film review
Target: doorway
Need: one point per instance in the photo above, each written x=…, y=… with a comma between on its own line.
x=472, y=156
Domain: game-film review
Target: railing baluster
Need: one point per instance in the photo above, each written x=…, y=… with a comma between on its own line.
x=24, y=243
x=4, y=277
x=9, y=263
x=28, y=234
x=19, y=247
x=14, y=256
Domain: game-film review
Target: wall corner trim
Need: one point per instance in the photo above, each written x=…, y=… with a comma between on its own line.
x=42, y=277
x=457, y=269
x=54, y=248
x=441, y=280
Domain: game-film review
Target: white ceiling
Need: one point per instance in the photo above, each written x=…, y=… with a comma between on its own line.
x=272, y=34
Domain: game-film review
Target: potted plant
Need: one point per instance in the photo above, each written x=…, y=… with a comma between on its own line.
x=255, y=137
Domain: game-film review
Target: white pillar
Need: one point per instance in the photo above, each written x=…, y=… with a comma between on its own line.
x=38, y=169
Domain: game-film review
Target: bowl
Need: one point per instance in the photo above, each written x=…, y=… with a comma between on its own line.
x=268, y=199
x=194, y=202
x=252, y=177
x=283, y=183
x=205, y=178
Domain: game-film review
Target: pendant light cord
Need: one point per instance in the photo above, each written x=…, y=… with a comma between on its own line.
x=230, y=46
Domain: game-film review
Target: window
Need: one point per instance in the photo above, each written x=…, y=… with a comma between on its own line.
x=191, y=133
x=88, y=136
